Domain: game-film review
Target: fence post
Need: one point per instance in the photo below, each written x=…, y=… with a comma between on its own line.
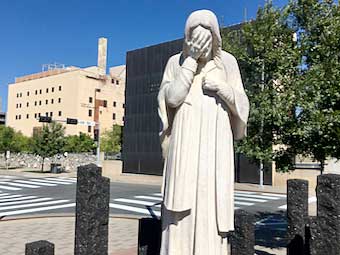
x=41, y=247
x=243, y=239
x=328, y=213
x=149, y=236
x=92, y=211
x=297, y=215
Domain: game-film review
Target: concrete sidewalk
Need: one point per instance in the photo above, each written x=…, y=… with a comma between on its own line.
x=123, y=235
x=15, y=234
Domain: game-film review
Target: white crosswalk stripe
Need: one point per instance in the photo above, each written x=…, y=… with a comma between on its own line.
x=34, y=183
x=144, y=203
x=310, y=200
x=20, y=204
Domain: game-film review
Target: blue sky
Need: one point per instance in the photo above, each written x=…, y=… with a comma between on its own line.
x=37, y=32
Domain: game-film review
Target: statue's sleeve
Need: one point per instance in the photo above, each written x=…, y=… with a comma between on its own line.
x=177, y=80
x=237, y=101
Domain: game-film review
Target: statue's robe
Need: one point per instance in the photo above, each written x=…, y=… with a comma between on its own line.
x=199, y=127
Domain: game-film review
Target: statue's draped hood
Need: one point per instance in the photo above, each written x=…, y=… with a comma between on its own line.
x=208, y=20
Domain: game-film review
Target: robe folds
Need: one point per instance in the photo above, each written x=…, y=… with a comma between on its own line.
x=197, y=140
x=198, y=129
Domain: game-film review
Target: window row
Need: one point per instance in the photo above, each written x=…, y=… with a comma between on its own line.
x=114, y=81
x=105, y=103
x=40, y=91
x=38, y=103
x=37, y=115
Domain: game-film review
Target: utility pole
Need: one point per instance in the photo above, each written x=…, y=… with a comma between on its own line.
x=261, y=127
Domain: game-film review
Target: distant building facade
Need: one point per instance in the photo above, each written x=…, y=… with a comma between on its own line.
x=87, y=94
x=2, y=118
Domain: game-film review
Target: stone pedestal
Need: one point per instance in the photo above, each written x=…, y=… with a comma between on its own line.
x=243, y=239
x=297, y=215
x=39, y=248
x=92, y=212
x=149, y=236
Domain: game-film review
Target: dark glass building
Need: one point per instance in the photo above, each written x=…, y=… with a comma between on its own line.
x=141, y=145
x=144, y=72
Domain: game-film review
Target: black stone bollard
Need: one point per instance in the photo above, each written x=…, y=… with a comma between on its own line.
x=328, y=212
x=315, y=244
x=92, y=211
x=39, y=248
x=243, y=239
x=297, y=215
x=149, y=236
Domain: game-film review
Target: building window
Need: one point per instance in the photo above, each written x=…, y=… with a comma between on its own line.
x=27, y=116
x=47, y=90
x=39, y=114
x=46, y=101
x=19, y=116
x=17, y=94
x=27, y=104
x=90, y=113
x=35, y=115
x=123, y=105
x=16, y=117
x=123, y=118
x=59, y=100
x=28, y=93
x=113, y=81
x=59, y=88
x=35, y=103
x=20, y=105
x=46, y=114
x=114, y=103
x=90, y=99
x=40, y=91
x=39, y=102
x=89, y=129
x=16, y=106
x=36, y=92
x=52, y=89
x=52, y=101
x=59, y=113
x=114, y=116
x=105, y=103
x=117, y=82
x=51, y=114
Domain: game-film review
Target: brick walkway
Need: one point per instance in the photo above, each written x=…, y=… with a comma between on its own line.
x=15, y=234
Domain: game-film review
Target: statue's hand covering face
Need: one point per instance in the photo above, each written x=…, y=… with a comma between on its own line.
x=200, y=43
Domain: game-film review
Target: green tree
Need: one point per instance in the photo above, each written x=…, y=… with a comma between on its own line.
x=79, y=143
x=49, y=141
x=268, y=59
x=111, y=140
x=13, y=141
x=317, y=129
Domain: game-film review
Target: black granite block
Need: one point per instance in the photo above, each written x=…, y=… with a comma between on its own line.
x=243, y=239
x=328, y=211
x=39, y=248
x=149, y=236
x=297, y=215
x=92, y=211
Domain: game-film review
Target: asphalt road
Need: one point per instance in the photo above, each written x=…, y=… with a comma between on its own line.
x=22, y=196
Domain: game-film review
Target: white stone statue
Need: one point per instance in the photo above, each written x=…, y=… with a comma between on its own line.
x=203, y=108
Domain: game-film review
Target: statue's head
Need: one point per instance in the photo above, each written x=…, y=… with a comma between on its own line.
x=203, y=21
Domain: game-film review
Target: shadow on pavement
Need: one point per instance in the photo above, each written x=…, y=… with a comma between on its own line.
x=270, y=230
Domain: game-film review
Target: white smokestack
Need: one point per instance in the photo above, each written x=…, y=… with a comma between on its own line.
x=102, y=53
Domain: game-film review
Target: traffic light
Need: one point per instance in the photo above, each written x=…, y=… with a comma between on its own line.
x=45, y=119
x=96, y=135
x=71, y=121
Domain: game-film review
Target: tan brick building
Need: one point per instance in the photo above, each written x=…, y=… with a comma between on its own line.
x=87, y=94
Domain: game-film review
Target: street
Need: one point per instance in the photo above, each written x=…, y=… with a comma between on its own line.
x=21, y=196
